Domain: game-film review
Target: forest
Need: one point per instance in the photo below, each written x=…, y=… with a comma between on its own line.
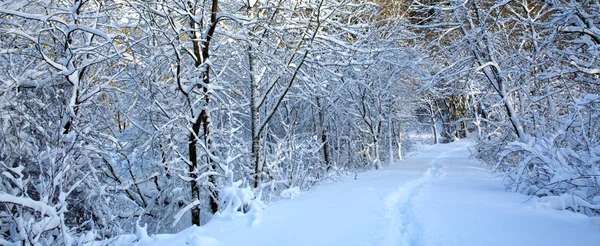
x=121, y=113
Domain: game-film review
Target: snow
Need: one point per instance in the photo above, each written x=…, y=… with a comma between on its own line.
x=290, y=193
x=479, y=211
x=437, y=197
x=38, y=206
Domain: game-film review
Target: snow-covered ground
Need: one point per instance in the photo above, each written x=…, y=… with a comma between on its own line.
x=438, y=197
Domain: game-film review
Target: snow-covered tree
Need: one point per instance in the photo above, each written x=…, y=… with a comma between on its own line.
x=527, y=69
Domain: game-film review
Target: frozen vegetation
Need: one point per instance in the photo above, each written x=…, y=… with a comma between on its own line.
x=140, y=121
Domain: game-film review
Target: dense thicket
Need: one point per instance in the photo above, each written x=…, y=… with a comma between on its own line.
x=122, y=113
x=524, y=76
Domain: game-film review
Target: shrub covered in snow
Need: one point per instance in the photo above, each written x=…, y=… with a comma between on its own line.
x=236, y=199
x=561, y=166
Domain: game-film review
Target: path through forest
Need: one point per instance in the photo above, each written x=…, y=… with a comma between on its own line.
x=438, y=197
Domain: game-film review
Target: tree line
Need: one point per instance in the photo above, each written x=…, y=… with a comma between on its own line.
x=120, y=113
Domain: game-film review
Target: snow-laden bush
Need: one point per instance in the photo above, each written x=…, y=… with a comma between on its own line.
x=542, y=168
x=236, y=199
x=563, y=167
x=35, y=209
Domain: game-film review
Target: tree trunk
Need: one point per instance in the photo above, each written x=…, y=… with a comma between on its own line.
x=399, y=150
x=255, y=117
x=193, y=169
x=324, y=135
x=376, y=149
x=433, y=125
x=201, y=51
x=390, y=142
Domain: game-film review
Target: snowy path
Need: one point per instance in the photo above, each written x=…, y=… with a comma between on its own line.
x=438, y=197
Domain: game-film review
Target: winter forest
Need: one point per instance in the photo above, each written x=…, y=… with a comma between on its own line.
x=120, y=113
